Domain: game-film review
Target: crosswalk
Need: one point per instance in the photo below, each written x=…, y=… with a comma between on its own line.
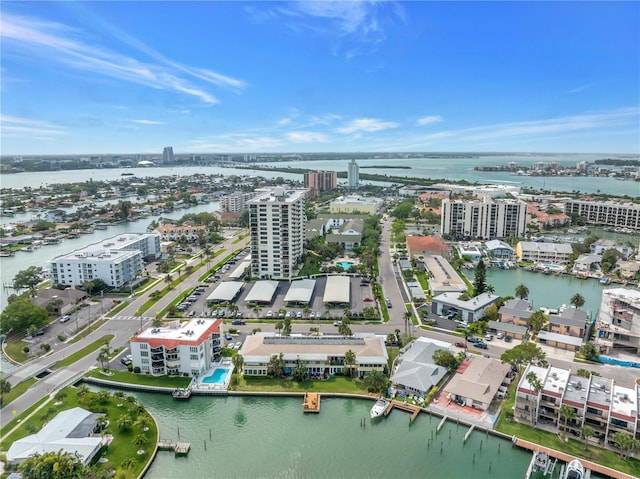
x=144, y=319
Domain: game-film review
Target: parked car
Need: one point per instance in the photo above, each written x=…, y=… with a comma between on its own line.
x=337, y=323
x=481, y=345
x=299, y=314
x=499, y=336
x=488, y=337
x=228, y=336
x=238, y=322
x=270, y=314
x=64, y=319
x=507, y=339
x=126, y=361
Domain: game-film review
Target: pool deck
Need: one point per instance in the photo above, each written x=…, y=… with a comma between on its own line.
x=213, y=388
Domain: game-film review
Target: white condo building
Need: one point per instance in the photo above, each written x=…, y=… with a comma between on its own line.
x=609, y=213
x=277, y=221
x=618, y=325
x=235, y=202
x=178, y=348
x=118, y=261
x=483, y=219
x=353, y=174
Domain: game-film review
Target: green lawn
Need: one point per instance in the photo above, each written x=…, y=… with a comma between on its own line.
x=336, y=384
x=19, y=417
x=72, y=358
x=113, y=408
x=18, y=390
x=13, y=349
x=142, y=379
x=573, y=447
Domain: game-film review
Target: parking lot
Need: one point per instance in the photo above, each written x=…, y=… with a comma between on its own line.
x=361, y=296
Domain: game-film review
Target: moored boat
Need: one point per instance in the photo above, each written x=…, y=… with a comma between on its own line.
x=575, y=470
x=379, y=408
x=181, y=393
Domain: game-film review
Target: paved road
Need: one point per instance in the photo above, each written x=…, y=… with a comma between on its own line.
x=122, y=327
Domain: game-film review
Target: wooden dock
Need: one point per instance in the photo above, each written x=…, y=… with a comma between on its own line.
x=414, y=410
x=178, y=448
x=311, y=402
x=592, y=466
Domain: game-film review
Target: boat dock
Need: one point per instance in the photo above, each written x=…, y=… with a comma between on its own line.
x=588, y=465
x=414, y=410
x=179, y=448
x=311, y=402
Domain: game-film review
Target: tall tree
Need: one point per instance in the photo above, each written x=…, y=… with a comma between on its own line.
x=238, y=362
x=537, y=321
x=5, y=388
x=524, y=353
x=480, y=278
x=286, y=330
x=577, y=300
x=28, y=279
x=345, y=330
x=625, y=442
x=522, y=291
x=21, y=314
x=276, y=365
x=446, y=359
x=568, y=413
x=376, y=381
x=587, y=432
x=536, y=385
x=52, y=465
x=350, y=361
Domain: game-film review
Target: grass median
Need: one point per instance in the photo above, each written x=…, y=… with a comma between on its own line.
x=87, y=350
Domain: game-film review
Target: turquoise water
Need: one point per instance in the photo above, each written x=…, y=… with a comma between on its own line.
x=345, y=265
x=265, y=437
x=218, y=376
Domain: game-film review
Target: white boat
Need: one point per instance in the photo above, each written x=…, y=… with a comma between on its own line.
x=575, y=470
x=379, y=408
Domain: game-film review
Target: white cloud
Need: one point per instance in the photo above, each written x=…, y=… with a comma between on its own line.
x=307, y=137
x=148, y=122
x=15, y=127
x=54, y=42
x=428, y=120
x=367, y=124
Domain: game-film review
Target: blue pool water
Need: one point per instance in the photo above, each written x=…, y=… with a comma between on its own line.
x=345, y=265
x=218, y=376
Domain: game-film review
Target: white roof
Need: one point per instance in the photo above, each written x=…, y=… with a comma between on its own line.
x=473, y=304
x=67, y=431
x=262, y=292
x=226, y=291
x=337, y=290
x=497, y=244
x=240, y=270
x=300, y=291
x=560, y=338
x=563, y=248
x=625, y=401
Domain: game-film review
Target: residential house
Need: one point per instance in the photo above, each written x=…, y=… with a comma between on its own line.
x=414, y=370
x=469, y=310
x=349, y=235
x=499, y=250
x=544, y=253
x=478, y=381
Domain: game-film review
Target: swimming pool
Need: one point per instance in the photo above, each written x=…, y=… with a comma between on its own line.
x=218, y=376
x=345, y=265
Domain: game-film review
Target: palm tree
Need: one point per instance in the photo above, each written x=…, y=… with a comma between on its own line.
x=124, y=422
x=256, y=309
x=407, y=317
x=586, y=432
x=522, y=291
x=5, y=388
x=490, y=289
x=306, y=311
x=279, y=326
x=238, y=362
x=577, y=300
x=139, y=440
x=103, y=357
x=568, y=413
x=350, y=361
x=345, y=330
x=625, y=442
x=536, y=384
x=376, y=381
x=143, y=423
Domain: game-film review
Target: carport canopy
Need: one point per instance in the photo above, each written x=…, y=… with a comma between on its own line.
x=240, y=270
x=262, y=292
x=337, y=290
x=226, y=291
x=300, y=291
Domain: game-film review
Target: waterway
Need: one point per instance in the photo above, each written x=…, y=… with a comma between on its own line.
x=444, y=167
x=259, y=437
x=546, y=290
x=41, y=256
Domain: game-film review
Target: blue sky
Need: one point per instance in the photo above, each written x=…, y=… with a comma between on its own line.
x=216, y=77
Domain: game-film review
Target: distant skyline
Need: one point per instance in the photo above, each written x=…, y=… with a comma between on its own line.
x=344, y=76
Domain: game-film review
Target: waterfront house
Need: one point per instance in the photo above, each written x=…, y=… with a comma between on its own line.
x=469, y=310
x=414, y=370
x=603, y=244
x=570, y=321
x=478, y=381
x=544, y=253
x=588, y=264
x=70, y=431
x=178, y=348
x=470, y=251
x=321, y=355
x=628, y=269
x=499, y=250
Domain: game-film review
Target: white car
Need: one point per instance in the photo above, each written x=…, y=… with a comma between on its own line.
x=499, y=336
x=64, y=319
